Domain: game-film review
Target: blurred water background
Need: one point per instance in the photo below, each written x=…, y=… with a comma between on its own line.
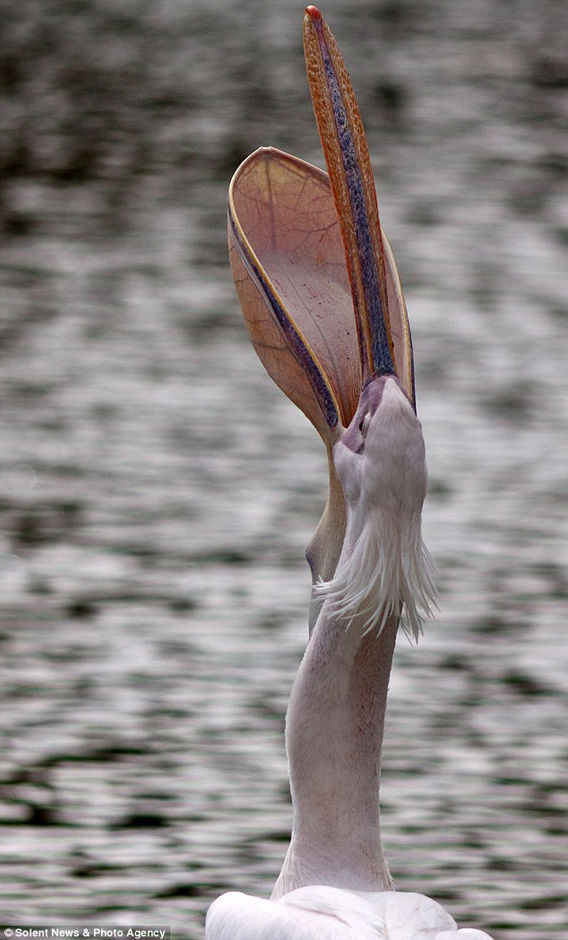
x=157, y=490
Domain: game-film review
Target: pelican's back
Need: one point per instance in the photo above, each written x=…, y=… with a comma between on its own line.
x=327, y=913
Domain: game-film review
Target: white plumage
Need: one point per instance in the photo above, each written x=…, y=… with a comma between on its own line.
x=288, y=225
x=388, y=565
x=335, y=883
x=334, y=914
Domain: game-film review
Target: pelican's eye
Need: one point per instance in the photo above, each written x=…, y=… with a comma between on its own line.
x=364, y=424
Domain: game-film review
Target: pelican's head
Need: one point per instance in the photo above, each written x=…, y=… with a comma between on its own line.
x=384, y=566
x=380, y=458
x=316, y=277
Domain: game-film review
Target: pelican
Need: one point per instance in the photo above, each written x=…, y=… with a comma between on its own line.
x=324, y=307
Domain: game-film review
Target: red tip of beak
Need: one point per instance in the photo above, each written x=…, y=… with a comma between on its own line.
x=313, y=13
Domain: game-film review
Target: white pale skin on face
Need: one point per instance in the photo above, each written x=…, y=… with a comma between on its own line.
x=380, y=461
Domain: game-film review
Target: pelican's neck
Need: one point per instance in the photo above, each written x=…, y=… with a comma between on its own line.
x=325, y=545
x=334, y=733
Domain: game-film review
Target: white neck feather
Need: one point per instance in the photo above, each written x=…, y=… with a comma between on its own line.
x=334, y=732
x=388, y=572
x=335, y=719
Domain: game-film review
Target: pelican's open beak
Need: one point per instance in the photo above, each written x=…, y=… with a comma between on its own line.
x=316, y=278
x=315, y=275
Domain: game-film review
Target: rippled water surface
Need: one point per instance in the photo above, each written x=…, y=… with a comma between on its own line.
x=157, y=490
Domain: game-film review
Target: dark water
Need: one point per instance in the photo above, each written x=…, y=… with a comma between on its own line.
x=157, y=491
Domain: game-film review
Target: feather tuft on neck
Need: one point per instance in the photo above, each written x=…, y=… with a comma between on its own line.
x=388, y=573
x=384, y=571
